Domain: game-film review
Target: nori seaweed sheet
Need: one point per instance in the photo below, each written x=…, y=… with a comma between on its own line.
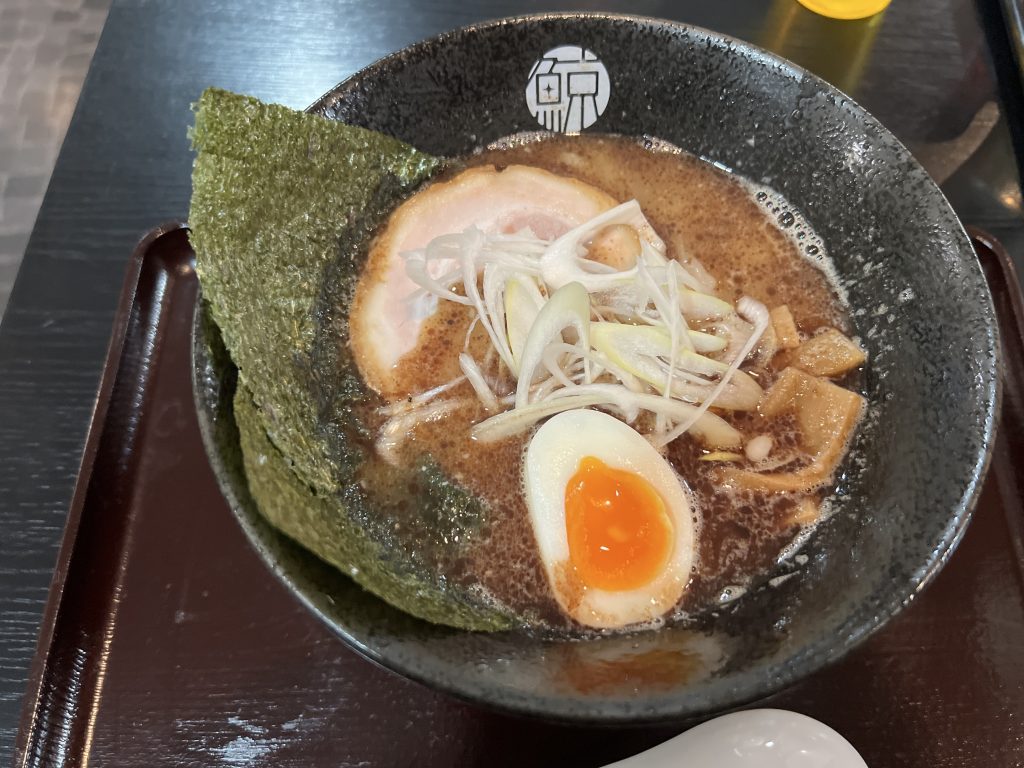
x=319, y=524
x=283, y=203
x=272, y=191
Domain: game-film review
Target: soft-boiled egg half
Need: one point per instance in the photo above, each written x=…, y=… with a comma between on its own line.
x=612, y=520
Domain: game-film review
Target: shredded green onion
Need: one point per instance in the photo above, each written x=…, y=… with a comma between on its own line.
x=574, y=333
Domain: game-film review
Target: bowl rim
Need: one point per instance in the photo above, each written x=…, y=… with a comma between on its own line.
x=815, y=655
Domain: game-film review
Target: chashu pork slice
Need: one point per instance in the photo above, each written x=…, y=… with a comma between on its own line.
x=384, y=322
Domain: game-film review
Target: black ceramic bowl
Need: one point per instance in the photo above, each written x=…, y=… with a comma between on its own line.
x=920, y=303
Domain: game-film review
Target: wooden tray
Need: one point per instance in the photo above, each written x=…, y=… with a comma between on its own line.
x=166, y=641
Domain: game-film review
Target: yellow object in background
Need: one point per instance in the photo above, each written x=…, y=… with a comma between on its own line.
x=842, y=51
x=846, y=9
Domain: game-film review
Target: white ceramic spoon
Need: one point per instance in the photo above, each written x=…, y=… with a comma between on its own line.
x=757, y=738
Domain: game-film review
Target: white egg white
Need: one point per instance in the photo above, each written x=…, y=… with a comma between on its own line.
x=552, y=458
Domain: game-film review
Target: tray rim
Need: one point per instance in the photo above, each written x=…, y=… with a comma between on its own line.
x=29, y=718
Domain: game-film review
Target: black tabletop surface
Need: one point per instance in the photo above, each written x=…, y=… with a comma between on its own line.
x=926, y=69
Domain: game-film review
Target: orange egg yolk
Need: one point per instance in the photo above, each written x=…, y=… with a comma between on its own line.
x=620, y=534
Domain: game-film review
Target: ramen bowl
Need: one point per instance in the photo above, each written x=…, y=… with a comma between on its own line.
x=919, y=302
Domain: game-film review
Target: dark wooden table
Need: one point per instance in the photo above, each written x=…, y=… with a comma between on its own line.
x=927, y=69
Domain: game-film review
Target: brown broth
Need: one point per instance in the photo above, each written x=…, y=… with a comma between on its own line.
x=702, y=212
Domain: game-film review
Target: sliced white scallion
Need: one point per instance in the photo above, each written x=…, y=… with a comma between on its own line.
x=416, y=269
x=704, y=278
x=757, y=313
x=702, y=306
x=398, y=427
x=484, y=313
x=646, y=351
x=707, y=342
x=572, y=333
x=404, y=406
x=737, y=331
x=523, y=301
x=568, y=307
x=476, y=379
x=711, y=429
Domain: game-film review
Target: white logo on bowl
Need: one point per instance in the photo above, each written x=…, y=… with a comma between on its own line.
x=568, y=89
